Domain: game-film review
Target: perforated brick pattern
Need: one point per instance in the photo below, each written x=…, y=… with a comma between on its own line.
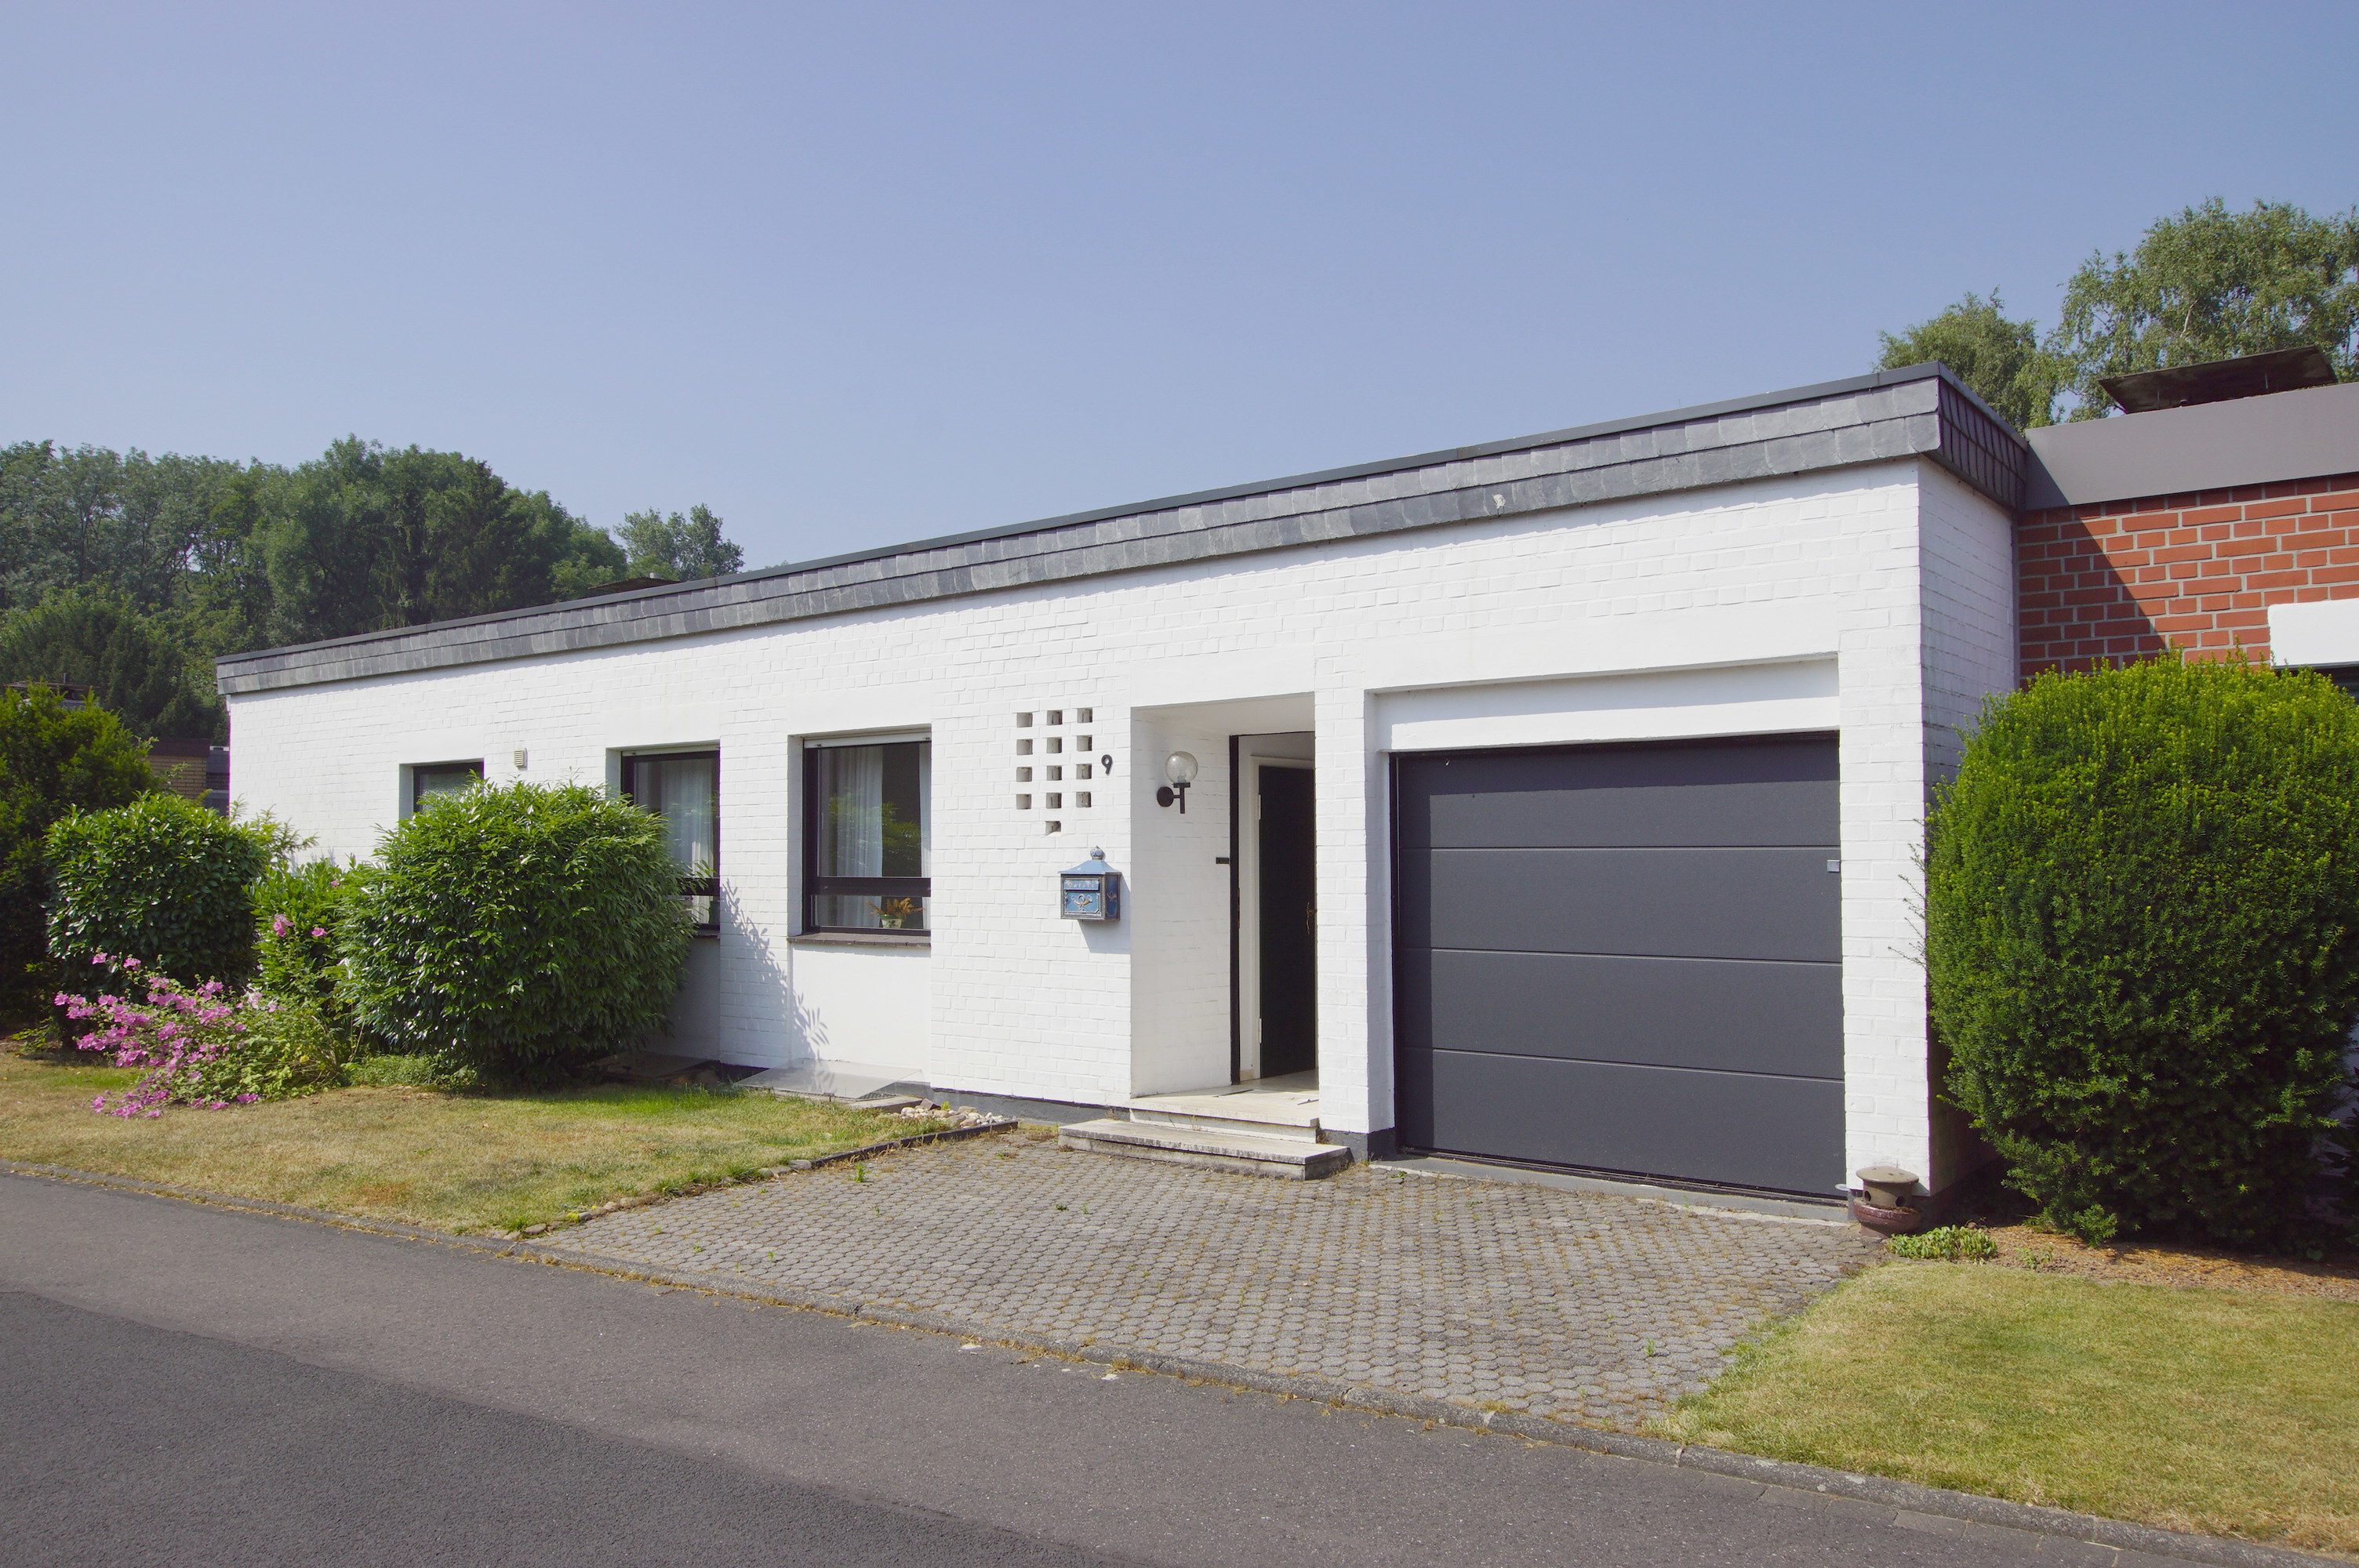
x=1589, y=1308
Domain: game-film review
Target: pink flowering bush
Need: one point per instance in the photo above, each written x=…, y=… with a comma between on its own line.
x=198, y=1046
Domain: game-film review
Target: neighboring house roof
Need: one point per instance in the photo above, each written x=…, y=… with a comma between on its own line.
x=1923, y=410
x=2267, y=440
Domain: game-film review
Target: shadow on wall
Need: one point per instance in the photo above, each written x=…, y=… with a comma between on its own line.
x=2076, y=608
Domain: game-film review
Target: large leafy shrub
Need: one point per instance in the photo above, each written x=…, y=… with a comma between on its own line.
x=2143, y=927
x=298, y=914
x=53, y=759
x=516, y=931
x=161, y=879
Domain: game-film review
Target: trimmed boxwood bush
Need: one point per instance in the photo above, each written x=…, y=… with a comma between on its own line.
x=2142, y=922
x=517, y=931
x=161, y=881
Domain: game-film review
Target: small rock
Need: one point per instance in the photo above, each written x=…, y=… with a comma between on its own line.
x=534, y=1229
x=800, y=1164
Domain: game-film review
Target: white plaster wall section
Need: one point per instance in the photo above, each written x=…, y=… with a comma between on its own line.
x=1670, y=705
x=1178, y=905
x=1882, y=760
x=2326, y=632
x=869, y=1005
x=1969, y=652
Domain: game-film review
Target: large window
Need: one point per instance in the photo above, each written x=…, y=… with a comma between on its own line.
x=868, y=835
x=427, y=780
x=684, y=789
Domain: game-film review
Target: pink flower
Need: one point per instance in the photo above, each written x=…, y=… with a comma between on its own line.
x=130, y=962
x=247, y=1099
x=278, y=926
x=319, y=931
x=98, y=957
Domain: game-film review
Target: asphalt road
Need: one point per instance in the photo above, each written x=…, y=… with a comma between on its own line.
x=190, y=1386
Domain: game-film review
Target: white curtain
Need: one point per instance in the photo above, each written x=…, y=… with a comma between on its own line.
x=682, y=793
x=854, y=779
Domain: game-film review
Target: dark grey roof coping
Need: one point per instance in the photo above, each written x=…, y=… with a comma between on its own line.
x=1922, y=409
x=2267, y=440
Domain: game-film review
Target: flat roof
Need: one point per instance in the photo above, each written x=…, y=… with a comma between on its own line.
x=1920, y=410
x=2267, y=440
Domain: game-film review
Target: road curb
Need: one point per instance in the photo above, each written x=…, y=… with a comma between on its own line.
x=1913, y=1506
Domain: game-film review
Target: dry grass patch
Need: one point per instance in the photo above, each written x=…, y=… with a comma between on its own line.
x=456, y=1162
x=2228, y=1412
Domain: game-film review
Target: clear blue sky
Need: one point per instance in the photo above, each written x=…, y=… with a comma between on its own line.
x=856, y=274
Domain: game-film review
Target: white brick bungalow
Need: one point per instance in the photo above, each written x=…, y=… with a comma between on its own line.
x=1595, y=762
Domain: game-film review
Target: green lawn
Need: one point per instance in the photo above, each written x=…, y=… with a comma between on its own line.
x=2226, y=1411
x=456, y=1162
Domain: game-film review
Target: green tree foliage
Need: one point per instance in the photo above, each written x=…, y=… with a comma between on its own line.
x=363, y=538
x=138, y=666
x=2207, y=284
x=53, y=759
x=2139, y=920
x=1998, y=357
x=516, y=931
x=2210, y=283
x=682, y=549
x=161, y=881
x=225, y=556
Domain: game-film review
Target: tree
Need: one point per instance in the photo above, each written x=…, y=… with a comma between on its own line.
x=53, y=759
x=2000, y=359
x=681, y=548
x=2212, y=284
x=136, y=666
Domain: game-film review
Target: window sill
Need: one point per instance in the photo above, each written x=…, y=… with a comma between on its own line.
x=862, y=940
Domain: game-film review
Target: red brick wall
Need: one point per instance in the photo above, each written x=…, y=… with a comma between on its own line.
x=2131, y=578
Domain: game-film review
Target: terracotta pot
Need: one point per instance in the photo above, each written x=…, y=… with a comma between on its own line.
x=1885, y=1221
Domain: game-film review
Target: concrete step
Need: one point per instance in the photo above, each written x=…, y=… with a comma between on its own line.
x=1288, y=1158
x=1205, y=1121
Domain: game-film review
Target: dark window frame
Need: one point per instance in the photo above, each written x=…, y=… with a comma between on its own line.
x=689, y=887
x=419, y=769
x=816, y=887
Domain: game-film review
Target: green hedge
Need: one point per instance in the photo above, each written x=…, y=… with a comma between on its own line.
x=516, y=931
x=53, y=759
x=162, y=880
x=2142, y=922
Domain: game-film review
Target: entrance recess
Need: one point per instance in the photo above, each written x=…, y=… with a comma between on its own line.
x=1287, y=904
x=1623, y=958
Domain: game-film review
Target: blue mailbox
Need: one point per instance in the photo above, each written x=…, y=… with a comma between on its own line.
x=1091, y=891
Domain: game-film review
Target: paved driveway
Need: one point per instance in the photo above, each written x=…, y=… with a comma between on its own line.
x=1589, y=1308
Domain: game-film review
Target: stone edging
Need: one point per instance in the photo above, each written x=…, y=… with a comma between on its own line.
x=868, y=1151
x=1928, y=1508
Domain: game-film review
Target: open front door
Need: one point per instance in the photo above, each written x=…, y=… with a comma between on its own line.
x=1285, y=903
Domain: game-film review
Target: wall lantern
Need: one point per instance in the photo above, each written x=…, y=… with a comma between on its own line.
x=1180, y=768
x=1091, y=891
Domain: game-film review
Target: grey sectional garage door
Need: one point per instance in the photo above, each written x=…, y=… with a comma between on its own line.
x=1623, y=958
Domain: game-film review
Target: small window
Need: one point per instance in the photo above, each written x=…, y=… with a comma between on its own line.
x=684, y=789
x=427, y=780
x=868, y=836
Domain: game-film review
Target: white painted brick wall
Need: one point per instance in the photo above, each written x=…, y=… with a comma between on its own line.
x=1018, y=1001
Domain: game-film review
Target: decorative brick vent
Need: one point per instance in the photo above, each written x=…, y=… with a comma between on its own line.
x=2128, y=579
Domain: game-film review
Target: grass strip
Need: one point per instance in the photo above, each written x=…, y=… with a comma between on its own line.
x=2219, y=1411
x=452, y=1162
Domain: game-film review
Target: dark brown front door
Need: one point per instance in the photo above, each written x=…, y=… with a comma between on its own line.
x=1288, y=919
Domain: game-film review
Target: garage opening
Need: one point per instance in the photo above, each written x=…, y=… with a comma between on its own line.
x=1623, y=958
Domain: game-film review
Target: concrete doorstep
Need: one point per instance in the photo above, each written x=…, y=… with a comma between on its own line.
x=2071, y=1537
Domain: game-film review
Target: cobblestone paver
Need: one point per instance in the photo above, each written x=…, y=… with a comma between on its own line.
x=1585, y=1307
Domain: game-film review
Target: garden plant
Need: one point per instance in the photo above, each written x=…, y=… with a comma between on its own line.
x=2141, y=923
x=518, y=931
x=161, y=881
x=53, y=759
